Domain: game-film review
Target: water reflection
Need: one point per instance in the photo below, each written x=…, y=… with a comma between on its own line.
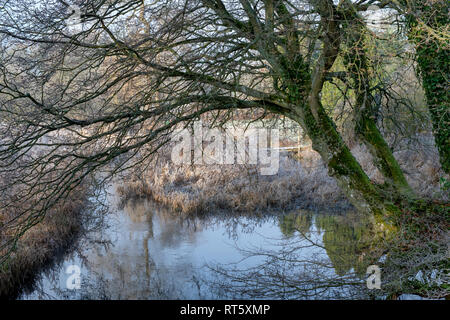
x=348, y=242
x=150, y=253
x=321, y=256
x=299, y=221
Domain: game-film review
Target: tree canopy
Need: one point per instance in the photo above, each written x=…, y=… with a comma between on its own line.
x=78, y=99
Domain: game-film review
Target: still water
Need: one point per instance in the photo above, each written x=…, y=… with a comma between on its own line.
x=140, y=251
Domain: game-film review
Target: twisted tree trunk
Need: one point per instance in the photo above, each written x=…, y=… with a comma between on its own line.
x=357, y=64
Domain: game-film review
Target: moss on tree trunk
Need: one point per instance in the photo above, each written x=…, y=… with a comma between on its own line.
x=342, y=165
x=425, y=24
x=383, y=157
x=356, y=62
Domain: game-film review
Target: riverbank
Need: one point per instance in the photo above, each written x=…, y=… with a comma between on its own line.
x=157, y=254
x=238, y=188
x=301, y=182
x=418, y=257
x=41, y=245
x=194, y=191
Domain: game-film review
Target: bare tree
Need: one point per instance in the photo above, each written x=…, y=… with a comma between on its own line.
x=75, y=101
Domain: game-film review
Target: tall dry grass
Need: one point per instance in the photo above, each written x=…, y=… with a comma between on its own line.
x=301, y=182
x=40, y=245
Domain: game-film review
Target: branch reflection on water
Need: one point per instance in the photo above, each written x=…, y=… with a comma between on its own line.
x=142, y=251
x=320, y=256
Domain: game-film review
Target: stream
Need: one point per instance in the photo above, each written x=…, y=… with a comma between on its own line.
x=141, y=251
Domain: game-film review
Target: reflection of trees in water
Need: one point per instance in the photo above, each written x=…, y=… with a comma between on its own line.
x=98, y=286
x=134, y=267
x=299, y=266
x=129, y=270
x=345, y=238
x=320, y=257
x=173, y=228
x=119, y=257
x=292, y=222
x=347, y=241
